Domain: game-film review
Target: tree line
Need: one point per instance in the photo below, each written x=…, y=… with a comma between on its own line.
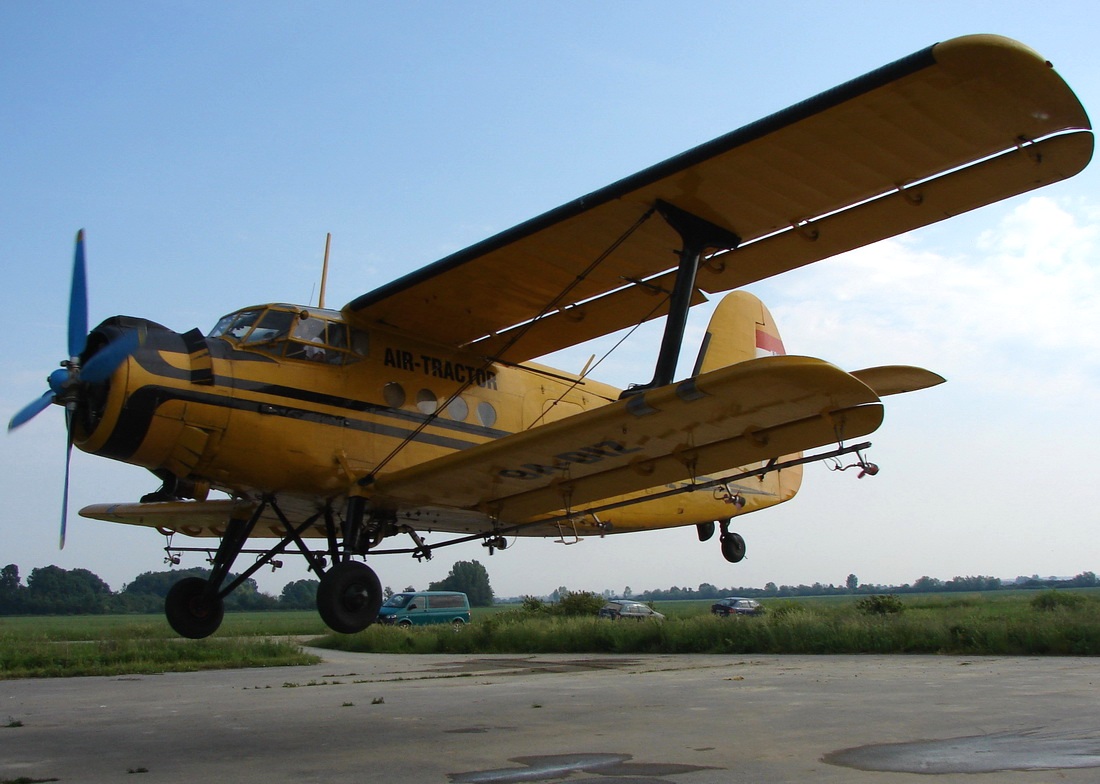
x=852, y=585
x=51, y=590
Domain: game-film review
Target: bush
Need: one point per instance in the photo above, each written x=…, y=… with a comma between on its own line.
x=787, y=609
x=880, y=604
x=579, y=603
x=1049, y=601
x=572, y=604
x=534, y=605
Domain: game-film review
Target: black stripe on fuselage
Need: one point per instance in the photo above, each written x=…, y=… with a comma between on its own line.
x=137, y=413
x=153, y=364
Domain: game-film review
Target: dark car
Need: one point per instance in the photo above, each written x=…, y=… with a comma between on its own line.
x=623, y=609
x=735, y=605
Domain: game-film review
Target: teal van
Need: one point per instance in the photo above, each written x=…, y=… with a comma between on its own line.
x=420, y=608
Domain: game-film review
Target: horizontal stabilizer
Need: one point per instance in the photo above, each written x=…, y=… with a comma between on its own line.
x=895, y=379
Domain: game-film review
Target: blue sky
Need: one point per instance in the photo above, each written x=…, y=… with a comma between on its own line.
x=208, y=149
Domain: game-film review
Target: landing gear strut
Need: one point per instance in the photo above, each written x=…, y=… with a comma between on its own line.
x=350, y=592
x=348, y=597
x=194, y=606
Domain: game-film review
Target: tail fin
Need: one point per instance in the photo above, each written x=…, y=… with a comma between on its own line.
x=741, y=328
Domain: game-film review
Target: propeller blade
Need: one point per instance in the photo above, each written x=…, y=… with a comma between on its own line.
x=103, y=363
x=78, y=301
x=31, y=411
x=65, y=492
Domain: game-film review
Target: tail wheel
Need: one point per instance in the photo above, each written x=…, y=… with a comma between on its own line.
x=191, y=611
x=733, y=547
x=349, y=596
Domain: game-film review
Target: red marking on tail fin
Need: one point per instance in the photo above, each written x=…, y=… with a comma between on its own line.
x=769, y=344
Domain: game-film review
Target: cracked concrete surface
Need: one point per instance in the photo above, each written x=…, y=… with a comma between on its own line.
x=614, y=719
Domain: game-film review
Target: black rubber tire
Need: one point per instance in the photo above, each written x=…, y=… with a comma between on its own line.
x=190, y=612
x=349, y=596
x=733, y=547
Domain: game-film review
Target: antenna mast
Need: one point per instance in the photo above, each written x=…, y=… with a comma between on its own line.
x=324, y=272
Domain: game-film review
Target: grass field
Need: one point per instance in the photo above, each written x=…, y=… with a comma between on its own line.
x=1001, y=623
x=997, y=623
x=50, y=646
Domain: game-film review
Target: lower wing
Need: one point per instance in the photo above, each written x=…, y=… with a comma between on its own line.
x=743, y=414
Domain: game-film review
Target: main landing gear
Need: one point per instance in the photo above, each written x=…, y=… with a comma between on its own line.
x=733, y=544
x=349, y=594
x=192, y=610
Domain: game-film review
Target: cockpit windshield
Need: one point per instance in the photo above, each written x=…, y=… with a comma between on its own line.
x=272, y=325
x=236, y=325
x=283, y=330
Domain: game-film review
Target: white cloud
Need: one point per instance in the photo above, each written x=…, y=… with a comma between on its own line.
x=1016, y=305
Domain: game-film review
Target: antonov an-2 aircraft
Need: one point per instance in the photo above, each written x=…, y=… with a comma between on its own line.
x=416, y=411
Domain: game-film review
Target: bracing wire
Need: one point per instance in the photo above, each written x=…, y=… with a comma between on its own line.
x=552, y=306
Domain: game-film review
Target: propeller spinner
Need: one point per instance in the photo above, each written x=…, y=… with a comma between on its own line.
x=69, y=384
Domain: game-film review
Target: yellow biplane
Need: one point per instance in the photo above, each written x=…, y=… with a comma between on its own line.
x=416, y=410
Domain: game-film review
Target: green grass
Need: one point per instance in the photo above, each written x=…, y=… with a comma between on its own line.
x=996, y=623
x=39, y=647
x=941, y=624
x=154, y=626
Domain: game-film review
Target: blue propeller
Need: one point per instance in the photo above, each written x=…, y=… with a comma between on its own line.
x=69, y=382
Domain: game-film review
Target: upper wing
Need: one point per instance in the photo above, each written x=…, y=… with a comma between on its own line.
x=730, y=417
x=948, y=129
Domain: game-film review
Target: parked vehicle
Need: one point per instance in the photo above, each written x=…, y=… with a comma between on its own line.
x=421, y=608
x=735, y=605
x=633, y=610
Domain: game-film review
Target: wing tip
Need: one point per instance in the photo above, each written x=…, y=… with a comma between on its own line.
x=1056, y=107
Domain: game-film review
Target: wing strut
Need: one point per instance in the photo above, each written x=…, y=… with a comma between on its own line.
x=697, y=235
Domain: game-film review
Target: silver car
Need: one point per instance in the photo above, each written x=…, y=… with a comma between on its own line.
x=735, y=605
x=624, y=609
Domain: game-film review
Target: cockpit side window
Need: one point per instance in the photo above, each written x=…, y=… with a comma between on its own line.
x=310, y=341
x=337, y=335
x=310, y=329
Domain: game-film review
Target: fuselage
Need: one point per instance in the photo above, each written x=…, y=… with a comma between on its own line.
x=289, y=401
